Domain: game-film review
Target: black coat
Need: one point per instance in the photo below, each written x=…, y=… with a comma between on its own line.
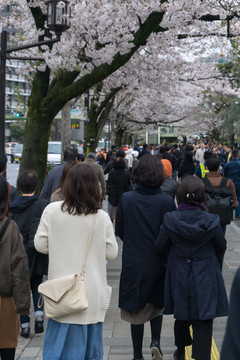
x=119, y=181
x=194, y=287
x=139, y=217
x=26, y=212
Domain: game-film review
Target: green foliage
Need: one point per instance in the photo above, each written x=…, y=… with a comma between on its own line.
x=17, y=132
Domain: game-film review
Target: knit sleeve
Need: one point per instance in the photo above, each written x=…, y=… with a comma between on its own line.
x=41, y=236
x=111, y=242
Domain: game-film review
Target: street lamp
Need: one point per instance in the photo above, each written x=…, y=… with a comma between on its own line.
x=58, y=20
x=58, y=16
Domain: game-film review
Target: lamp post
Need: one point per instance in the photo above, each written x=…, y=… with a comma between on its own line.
x=58, y=20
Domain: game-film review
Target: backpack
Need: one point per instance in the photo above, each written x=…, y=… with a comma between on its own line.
x=219, y=200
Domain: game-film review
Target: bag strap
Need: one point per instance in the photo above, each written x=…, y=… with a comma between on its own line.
x=88, y=244
x=4, y=228
x=208, y=183
x=223, y=183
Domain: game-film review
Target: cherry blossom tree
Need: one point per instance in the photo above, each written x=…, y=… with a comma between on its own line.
x=104, y=36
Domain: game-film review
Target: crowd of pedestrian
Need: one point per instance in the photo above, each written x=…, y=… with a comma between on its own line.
x=169, y=205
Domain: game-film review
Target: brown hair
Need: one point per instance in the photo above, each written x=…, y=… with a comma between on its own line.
x=81, y=191
x=191, y=191
x=149, y=171
x=4, y=198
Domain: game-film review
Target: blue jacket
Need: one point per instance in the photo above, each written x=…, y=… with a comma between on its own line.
x=194, y=287
x=51, y=181
x=232, y=170
x=139, y=218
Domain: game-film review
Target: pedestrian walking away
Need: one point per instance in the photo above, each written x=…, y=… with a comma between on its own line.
x=232, y=172
x=194, y=288
x=139, y=217
x=63, y=233
x=14, y=278
x=26, y=211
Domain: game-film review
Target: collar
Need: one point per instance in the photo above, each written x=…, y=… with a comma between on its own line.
x=213, y=174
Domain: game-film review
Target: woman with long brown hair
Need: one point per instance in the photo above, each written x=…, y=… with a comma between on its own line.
x=63, y=233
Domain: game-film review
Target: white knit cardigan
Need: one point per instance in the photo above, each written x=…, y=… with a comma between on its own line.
x=64, y=238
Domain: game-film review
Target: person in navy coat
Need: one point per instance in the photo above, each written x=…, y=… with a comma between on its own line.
x=139, y=217
x=194, y=288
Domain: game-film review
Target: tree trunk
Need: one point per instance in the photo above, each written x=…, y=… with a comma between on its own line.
x=91, y=140
x=36, y=137
x=37, y=129
x=119, y=136
x=231, y=131
x=66, y=127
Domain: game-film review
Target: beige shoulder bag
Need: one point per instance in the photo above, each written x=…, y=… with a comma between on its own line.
x=67, y=294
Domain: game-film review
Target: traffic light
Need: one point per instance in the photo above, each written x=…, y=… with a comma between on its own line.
x=75, y=124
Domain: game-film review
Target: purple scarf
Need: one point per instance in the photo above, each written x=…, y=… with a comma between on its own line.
x=186, y=206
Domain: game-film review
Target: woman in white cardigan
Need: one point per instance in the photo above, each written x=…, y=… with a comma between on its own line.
x=63, y=234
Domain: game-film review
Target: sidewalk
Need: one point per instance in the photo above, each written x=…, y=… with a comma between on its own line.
x=117, y=337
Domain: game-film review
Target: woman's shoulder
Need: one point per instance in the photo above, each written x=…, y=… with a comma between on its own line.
x=103, y=214
x=53, y=207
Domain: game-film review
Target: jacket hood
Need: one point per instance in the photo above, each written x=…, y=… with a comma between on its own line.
x=191, y=224
x=22, y=203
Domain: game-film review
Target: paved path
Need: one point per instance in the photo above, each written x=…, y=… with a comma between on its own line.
x=117, y=339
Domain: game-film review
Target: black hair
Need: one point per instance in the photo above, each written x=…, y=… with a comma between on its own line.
x=3, y=162
x=148, y=171
x=213, y=163
x=207, y=155
x=119, y=163
x=191, y=191
x=235, y=153
x=189, y=147
x=69, y=155
x=120, y=153
x=188, y=157
x=27, y=181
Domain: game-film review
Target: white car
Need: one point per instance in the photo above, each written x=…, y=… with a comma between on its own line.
x=54, y=154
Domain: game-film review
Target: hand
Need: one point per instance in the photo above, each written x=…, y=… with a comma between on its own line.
x=103, y=197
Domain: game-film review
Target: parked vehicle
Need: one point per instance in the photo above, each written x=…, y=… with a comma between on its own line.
x=9, y=147
x=17, y=153
x=54, y=154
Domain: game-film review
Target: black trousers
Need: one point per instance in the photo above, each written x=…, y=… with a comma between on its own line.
x=202, y=337
x=7, y=354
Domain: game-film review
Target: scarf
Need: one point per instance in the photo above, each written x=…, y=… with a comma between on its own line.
x=186, y=206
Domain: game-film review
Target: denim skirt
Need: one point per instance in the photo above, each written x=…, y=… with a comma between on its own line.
x=73, y=341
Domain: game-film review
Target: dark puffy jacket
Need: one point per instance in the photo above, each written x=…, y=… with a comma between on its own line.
x=119, y=181
x=26, y=212
x=194, y=287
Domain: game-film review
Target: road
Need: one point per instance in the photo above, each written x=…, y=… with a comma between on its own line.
x=12, y=173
